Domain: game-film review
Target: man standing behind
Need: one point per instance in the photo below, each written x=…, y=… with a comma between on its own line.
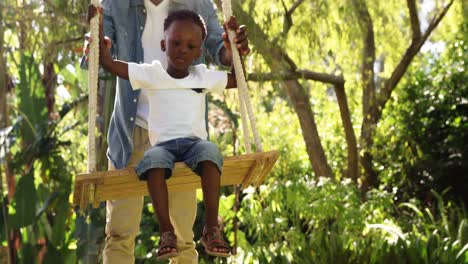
x=135, y=27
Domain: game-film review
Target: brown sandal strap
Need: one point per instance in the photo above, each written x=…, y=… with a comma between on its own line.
x=214, y=239
x=167, y=240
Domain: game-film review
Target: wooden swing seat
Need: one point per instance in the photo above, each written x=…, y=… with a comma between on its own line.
x=93, y=188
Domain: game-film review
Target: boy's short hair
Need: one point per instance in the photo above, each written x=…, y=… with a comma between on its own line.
x=186, y=15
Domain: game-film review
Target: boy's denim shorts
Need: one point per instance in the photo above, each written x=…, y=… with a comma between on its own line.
x=191, y=150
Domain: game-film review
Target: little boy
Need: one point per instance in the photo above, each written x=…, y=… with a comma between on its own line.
x=177, y=122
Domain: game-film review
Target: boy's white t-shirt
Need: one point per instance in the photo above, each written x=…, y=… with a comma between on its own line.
x=150, y=40
x=175, y=110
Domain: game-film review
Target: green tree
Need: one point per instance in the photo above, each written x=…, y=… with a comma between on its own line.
x=428, y=126
x=289, y=44
x=39, y=40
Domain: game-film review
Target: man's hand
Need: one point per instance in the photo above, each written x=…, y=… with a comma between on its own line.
x=241, y=40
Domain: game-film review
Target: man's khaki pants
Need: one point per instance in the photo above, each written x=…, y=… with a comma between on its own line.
x=123, y=217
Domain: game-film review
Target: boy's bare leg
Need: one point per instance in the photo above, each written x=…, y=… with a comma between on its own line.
x=157, y=189
x=211, y=181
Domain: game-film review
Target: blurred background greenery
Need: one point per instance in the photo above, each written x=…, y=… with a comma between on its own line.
x=367, y=101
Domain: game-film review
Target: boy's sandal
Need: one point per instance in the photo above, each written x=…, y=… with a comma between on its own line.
x=168, y=241
x=212, y=239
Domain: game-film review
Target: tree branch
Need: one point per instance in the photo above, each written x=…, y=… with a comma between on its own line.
x=415, y=25
x=294, y=7
x=436, y=20
x=71, y=40
x=407, y=58
x=288, y=14
x=294, y=75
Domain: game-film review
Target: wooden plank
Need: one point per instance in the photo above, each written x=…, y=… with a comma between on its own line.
x=233, y=176
x=250, y=174
x=258, y=173
x=176, y=179
x=139, y=188
x=236, y=161
x=246, y=169
x=95, y=197
x=269, y=163
x=77, y=194
x=111, y=177
x=129, y=180
x=84, y=197
x=135, y=187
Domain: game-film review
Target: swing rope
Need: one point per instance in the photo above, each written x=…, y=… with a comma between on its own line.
x=92, y=88
x=244, y=98
x=244, y=102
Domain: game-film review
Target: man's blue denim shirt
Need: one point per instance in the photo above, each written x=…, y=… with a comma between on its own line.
x=124, y=22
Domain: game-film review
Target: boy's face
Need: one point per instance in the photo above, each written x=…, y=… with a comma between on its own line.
x=182, y=44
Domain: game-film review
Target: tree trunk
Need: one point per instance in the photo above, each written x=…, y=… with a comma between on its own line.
x=353, y=160
x=373, y=104
x=338, y=84
x=368, y=94
x=301, y=104
x=49, y=80
x=279, y=61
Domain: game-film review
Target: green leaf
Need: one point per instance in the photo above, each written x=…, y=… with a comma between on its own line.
x=413, y=207
x=60, y=219
x=31, y=99
x=23, y=209
x=53, y=255
x=463, y=251
x=27, y=253
x=463, y=232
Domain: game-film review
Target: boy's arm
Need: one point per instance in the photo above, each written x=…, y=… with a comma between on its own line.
x=116, y=67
